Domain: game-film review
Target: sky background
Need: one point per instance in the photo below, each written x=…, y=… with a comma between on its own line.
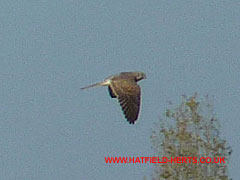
x=50, y=129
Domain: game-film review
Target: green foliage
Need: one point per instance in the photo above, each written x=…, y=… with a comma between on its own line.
x=194, y=132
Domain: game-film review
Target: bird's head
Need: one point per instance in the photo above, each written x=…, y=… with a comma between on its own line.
x=140, y=76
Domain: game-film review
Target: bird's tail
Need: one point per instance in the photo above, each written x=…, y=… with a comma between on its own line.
x=93, y=85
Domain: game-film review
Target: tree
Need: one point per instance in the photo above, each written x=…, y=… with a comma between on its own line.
x=190, y=130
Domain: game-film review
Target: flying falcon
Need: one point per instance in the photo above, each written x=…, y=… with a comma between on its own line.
x=124, y=87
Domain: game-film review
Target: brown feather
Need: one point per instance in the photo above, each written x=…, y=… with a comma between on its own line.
x=128, y=93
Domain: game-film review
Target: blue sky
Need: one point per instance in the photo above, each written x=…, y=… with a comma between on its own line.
x=50, y=129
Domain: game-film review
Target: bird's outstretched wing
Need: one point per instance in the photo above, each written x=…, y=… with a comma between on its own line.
x=128, y=93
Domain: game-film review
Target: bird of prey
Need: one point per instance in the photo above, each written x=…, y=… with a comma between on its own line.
x=124, y=87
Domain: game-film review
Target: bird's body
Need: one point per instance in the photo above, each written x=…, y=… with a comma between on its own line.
x=124, y=87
